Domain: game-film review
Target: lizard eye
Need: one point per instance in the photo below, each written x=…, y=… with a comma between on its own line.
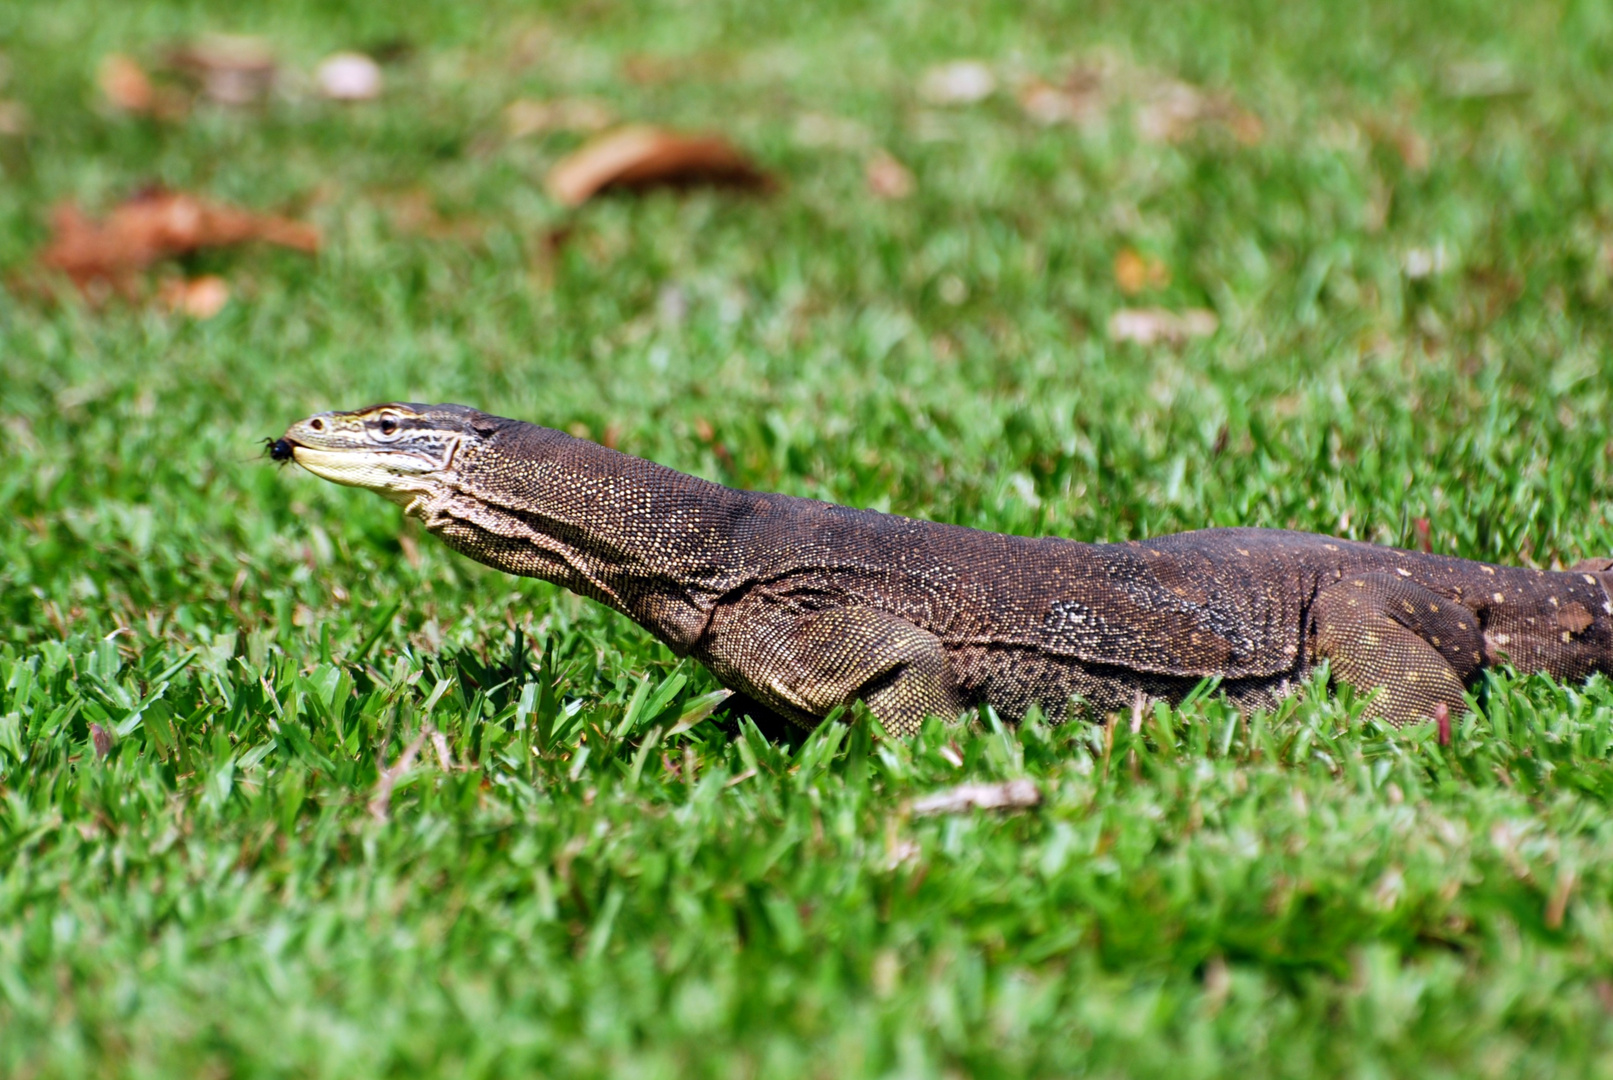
x=388, y=426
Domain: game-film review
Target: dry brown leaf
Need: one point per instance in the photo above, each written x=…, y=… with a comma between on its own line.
x=349, y=76
x=888, y=178
x=962, y=82
x=1009, y=795
x=153, y=225
x=528, y=117
x=200, y=298
x=1152, y=326
x=1174, y=110
x=231, y=70
x=1135, y=272
x=1081, y=98
x=125, y=84
x=640, y=157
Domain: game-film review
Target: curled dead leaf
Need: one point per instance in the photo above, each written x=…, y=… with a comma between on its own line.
x=528, y=117
x=1008, y=795
x=639, y=157
x=1151, y=326
x=153, y=225
x=887, y=177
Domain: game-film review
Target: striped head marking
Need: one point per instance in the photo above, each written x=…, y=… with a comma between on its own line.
x=403, y=452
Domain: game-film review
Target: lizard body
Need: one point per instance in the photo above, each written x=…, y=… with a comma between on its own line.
x=807, y=606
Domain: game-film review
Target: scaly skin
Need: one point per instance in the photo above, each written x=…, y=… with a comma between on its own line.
x=807, y=606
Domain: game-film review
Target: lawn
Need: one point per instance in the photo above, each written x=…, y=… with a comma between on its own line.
x=354, y=806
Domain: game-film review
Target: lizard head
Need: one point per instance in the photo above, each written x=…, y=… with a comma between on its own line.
x=397, y=450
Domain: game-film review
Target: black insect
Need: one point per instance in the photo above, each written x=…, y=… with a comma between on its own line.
x=279, y=449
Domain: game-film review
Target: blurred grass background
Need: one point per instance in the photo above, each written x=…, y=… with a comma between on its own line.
x=1410, y=269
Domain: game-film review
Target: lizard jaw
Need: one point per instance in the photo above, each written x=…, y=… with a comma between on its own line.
x=402, y=478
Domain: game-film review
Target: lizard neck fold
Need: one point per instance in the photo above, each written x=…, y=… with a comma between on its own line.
x=653, y=543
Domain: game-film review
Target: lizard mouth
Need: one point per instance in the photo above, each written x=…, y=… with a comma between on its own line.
x=396, y=474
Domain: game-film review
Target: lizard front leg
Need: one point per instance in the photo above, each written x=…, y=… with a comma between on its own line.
x=1417, y=648
x=808, y=663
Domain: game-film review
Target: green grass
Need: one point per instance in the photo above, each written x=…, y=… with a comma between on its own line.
x=580, y=892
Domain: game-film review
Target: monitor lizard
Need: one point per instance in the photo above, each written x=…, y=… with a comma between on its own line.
x=807, y=606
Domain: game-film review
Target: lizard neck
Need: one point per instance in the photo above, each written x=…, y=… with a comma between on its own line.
x=653, y=543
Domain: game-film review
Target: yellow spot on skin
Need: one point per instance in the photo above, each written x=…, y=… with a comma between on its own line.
x=1498, y=598
x=1503, y=639
x=1567, y=637
x=1434, y=608
x=1402, y=571
x=1370, y=639
x=1359, y=584
x=1435, y=641
x=1242, y=552
x=1588, y=579
x=1412, y=675
x=1331, y=547
x=1461, y=626
x=1487, y=569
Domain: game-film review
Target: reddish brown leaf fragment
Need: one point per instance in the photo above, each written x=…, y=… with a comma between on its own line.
x=889, y=178
x=158, y=224
x=640, y=157
x=125, y=84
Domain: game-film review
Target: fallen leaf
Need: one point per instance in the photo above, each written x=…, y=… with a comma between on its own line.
x=639, y=157
x=200, y=298
x=962, y=82
x=528, y=117
x=887, y=177
x=153, y=225
x=1009, y=795
x=101, y=739
x=1079, y=99
x=1135, y=272
x=1150, y=326
x=125, y=84
x=349, y=76
x=1173, y=110
x=231, y=70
